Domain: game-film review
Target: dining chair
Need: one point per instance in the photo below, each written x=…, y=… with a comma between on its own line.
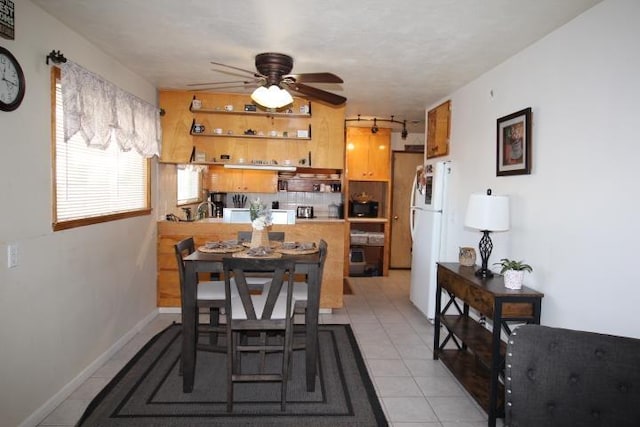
x=209, y=294
x=268, y=312
x=275, y=236
x=301, y=289
x=258, y=281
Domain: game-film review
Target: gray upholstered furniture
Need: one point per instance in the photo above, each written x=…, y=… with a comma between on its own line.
x=561, y=377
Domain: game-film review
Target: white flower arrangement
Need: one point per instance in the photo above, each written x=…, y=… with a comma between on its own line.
x=260, y=215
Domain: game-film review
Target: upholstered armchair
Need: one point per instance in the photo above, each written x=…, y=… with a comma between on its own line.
x=562, y=377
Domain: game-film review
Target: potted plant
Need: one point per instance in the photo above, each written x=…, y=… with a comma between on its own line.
x=513, y=272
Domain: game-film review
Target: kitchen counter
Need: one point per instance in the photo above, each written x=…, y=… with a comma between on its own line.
x=170, y=232
x=298, y=220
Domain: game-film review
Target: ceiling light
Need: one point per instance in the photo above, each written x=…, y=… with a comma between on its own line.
x=374, y=128
x=274, y=97
x=404, y=133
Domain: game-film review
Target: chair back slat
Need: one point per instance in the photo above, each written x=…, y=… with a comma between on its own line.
x=183, y=248
x=236, y=268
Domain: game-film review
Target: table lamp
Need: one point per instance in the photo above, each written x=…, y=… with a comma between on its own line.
x=487, y=213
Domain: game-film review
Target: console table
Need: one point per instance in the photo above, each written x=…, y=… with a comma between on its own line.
x=476, y=357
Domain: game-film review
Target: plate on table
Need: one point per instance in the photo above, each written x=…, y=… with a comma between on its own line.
x=221, y=247
x=297, y=248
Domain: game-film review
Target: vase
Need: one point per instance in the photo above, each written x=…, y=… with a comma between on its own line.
x=259, y=238
x=467, y=256
x=513, y=279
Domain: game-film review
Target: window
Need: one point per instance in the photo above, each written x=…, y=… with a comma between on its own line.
x=93, y=185
x=189, y=184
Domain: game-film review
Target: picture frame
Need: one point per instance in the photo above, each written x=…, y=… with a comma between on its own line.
x=513, y=145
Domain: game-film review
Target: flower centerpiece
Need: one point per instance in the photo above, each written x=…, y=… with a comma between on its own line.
x=260, y=216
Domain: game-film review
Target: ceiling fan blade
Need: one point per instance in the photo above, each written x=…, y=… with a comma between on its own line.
x=203, y=89
x=318, y=94
x=253, y=73
x=220, y=83
x=315, y=78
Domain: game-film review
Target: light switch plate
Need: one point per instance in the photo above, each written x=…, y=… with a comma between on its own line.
x=12, y=256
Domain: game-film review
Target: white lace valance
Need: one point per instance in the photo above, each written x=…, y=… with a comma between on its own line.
x=99, y=111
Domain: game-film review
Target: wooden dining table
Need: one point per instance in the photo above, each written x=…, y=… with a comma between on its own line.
x=199, y=262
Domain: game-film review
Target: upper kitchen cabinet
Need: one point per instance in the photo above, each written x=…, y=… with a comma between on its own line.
x=438, y=125
x=176, y=119
x=368, y=154
x=242, y=180
x=308, y=134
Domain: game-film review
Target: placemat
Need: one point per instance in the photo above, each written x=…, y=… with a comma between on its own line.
x=227, y=250
x=297, y=248
x=296, y=251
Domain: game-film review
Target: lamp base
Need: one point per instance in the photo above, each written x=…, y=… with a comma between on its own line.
x=484, y=273
x=485, y=248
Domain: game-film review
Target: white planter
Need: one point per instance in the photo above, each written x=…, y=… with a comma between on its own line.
x=513, y=279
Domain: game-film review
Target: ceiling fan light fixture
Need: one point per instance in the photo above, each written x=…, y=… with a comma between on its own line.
x=273, y=97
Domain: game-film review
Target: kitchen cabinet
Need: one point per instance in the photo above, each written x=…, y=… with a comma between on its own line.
x=377, y=255
x=242, y=180
x=316, y=135
x=477, y=355
x=368, y=154
x=175, y=119
x=438, y=127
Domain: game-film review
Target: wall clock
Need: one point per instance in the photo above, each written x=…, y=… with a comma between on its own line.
x=12, y=82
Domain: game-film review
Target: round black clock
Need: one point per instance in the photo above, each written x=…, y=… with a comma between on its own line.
x=12, y=82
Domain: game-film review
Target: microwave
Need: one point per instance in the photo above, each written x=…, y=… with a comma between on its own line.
x=363, y=209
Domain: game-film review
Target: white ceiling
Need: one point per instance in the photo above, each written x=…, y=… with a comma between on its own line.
x=395, y=58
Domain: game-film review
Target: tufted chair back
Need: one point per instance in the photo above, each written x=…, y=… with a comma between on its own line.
x=561, y=377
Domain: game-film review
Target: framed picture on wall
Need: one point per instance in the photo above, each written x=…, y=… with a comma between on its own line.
x=513, y=151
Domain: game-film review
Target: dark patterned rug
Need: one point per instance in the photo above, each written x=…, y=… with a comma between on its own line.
x=148, y=391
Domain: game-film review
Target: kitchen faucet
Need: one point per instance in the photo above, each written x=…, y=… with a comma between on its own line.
x=202, y=209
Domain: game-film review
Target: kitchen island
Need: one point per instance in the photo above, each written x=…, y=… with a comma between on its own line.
x=211, y=229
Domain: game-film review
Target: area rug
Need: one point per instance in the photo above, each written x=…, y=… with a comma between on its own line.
x=148, y=390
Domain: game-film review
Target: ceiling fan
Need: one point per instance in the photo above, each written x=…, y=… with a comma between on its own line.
x=273, y=69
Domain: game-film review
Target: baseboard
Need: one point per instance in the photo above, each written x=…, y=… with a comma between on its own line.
x=42, y=412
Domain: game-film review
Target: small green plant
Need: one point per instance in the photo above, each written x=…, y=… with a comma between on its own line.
x=509, y=264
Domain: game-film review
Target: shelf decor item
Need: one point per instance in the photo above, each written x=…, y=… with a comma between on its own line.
x=513, y=272
x=467, y=256
x=487, y=213
x=261, y=221
x=513, y=149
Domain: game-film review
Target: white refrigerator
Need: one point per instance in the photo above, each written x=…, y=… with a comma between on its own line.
x=427, y=222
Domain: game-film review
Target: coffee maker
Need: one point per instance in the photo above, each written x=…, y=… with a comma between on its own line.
x=218, y=200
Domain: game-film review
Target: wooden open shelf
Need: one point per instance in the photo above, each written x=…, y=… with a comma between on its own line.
x=473, y=376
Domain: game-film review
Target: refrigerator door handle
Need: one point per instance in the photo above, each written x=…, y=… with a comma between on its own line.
x=412, y=225
x=412, y=197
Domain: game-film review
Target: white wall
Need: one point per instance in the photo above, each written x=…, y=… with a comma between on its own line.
x=575, y=217
x=75, y=292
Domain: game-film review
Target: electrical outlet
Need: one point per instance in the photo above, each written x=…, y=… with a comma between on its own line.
x=12, y=256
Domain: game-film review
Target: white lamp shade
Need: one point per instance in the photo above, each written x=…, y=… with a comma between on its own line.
x=488, y=212
x=274, y=97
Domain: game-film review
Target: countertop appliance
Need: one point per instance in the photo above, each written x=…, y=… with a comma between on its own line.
x=219, y=202
x=427, y=212
x=304, y=212
x=368, y=209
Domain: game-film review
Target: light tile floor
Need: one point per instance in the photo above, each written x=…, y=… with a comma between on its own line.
x=394, y=337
